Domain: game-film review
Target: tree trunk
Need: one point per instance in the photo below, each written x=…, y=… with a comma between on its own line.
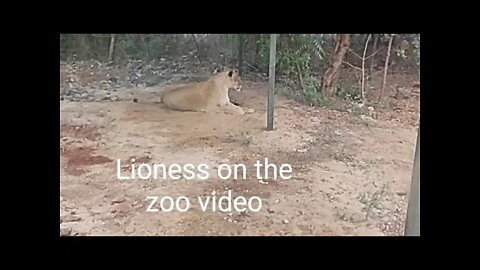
x=240, y=53
x=330, y=76
x=374, y=49
x=385, y=71
x=300, y=77
x=363, y=68
x=196, y=43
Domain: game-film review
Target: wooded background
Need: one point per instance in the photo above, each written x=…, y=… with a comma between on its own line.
x=308, y=64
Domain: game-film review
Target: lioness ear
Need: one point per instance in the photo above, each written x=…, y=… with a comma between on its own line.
x=230, y=73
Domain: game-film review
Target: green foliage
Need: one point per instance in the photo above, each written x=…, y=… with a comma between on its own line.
x=292, y=49
x=263, y=52
x=311, y=94
x=135, y=46
x=347, y=93
x=401, y=53
x=294, y=58
x=416, y=49
x=310, y=91
x=232, y=41
x=386, y=37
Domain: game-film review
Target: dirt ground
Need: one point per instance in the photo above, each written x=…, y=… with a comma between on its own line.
x=351, y=173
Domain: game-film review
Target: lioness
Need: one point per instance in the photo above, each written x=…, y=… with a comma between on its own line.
x=205, y=96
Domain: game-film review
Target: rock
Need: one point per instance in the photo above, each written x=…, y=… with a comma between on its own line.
x=285, y=221
x=118, y=200
x=129, y=229
x=65, y=231
x=224, y=161
x=71, y=218
x=135, y=100
x=354, y=217
x=402, y=93
x=250, y=110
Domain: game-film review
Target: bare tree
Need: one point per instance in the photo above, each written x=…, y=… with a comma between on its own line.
x=363, y=68
x=387, y=58
x=374, y=49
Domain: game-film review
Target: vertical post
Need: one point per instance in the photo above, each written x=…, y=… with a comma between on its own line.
x=112, y=47
x=412, y=224
x=271, y=79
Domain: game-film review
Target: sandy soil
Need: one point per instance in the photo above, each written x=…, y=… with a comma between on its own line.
x=351, y=174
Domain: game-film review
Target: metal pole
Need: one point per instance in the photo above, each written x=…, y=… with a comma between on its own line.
x=412, y=224
x=271, y=79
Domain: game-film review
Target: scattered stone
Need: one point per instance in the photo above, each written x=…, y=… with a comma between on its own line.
x=65, y=231
x=71, y=218
x=118, y=200
x=129, y=229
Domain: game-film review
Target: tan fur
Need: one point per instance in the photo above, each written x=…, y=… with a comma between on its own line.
x=205, y=96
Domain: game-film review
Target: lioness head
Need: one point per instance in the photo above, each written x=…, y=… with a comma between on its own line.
x=229, y=78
